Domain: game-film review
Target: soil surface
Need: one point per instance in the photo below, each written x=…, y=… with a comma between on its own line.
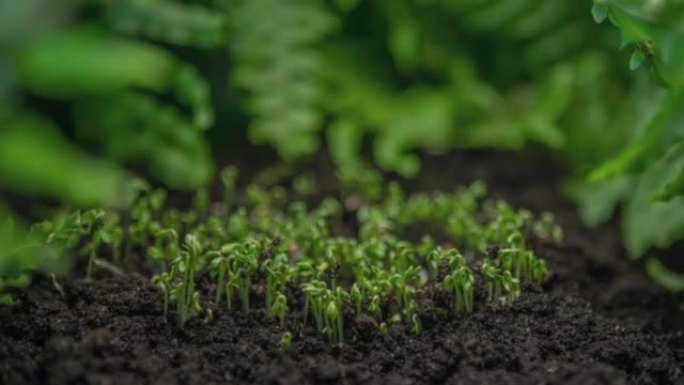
x=598, y=319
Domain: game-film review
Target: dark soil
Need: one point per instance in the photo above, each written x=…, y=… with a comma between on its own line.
x=598, y=320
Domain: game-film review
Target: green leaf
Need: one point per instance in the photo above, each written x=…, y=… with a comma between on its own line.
x=169, y=21
x=599, y=12
x=22, y=252
x=598, y=201
x=345, y=141
x=646, y=223
x=274, y=43
x=633, y=30
x=80, y=62
x=649, y=146
x=84, y=62
x=664, y=276
x=36, y=159
x=135, y=127
x=636, y=60
x=673, y=188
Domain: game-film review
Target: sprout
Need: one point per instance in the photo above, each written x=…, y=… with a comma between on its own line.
x=500, y=285
x=163, y=282
x=374, y=306
x=179, y=283
x=286, y=340
x=314, y=291
x=546, y=228
x=271, y=247
x=277, y=274
x=243, y=265
x=356, y=297
x=333, y=319
x=522, y=263
x=460, y=281
x=416, y=325
x=102, y=228
x=279, y=308
x=187, y=265
x=165, y=247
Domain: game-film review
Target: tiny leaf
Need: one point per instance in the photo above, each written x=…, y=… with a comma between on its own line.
x=599, y=12
x=636, y=60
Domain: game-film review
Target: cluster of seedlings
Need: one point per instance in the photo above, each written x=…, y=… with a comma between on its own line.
x=320, y=263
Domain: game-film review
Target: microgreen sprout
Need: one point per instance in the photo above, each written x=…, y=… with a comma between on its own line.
x=102, y=228
x=501, y=285
x=279, y=308
x=286, y=340
x=165, y=247
x=460, y=281
x=416, y=325
x=272, y=250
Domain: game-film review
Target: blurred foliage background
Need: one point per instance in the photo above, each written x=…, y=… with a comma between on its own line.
x=95, y=91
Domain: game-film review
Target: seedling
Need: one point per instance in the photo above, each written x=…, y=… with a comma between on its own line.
x=501, y=285
x=460, y=281
x=270, y=248
x=165, y=247
x=279, y=308
x=102, y=228
x=286, y=340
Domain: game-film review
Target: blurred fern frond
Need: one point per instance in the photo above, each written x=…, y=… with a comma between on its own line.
x=274, y=43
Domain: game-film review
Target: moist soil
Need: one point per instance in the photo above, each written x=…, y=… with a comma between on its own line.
x=597, y=320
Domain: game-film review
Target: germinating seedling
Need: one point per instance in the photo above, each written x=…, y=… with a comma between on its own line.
x=269, y=251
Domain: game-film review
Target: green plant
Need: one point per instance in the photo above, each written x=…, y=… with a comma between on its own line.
x=275, y=248
x=23, y=252
x=286, y=340
x=643, y=177
x=501, y=285
x=179, y=283
x=460, y=280
x=279, y=308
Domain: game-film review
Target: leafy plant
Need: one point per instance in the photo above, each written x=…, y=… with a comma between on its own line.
x=644, y=176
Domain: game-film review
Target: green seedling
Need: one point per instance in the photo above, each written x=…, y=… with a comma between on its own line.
x=271, y=248
x=460, y=281
x=144, y=220
x=243, y=265
x=286, y=340
x=165, y=247
x=187, y=266
x=278, y=273
x=279, y=308
x=546, y=228
x=314, y=302
x=356, y=297
x=101, y=227
x=219, y=270
x=521, y=262
x=501, y=285
x=163, y=282
x=416, y=325
x=334, y=327
x=179, y=284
